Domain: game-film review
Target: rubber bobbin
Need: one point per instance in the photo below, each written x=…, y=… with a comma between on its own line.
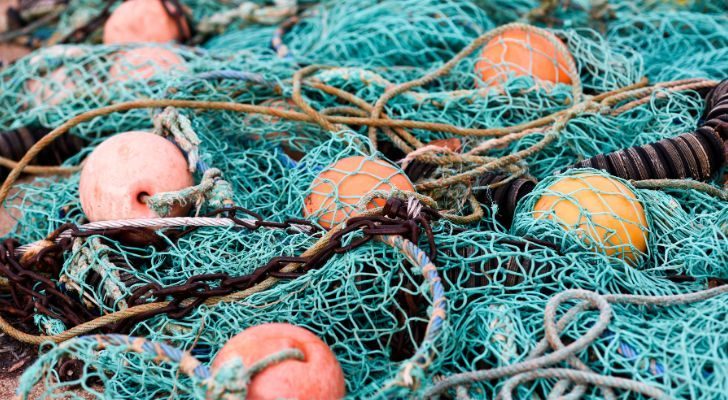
x=14, y=144
x=506, y=195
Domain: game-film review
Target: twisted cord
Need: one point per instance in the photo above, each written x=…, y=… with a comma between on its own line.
x=231, y=381
x=40, y=169
x=248, y=12
x=583, y=378
x=34, y=150
x=156, y=223
x=536, y=361
x=448, y=66
x=171, y=123
x=682, y=184
x=426, y=351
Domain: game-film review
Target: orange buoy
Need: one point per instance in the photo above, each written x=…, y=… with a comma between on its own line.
x=521, y=52
x=317, y=376
x=144, y=21
x=143, y=63
x=57, y=84
x=126, y=168
x=605, y=210
x=55, y=87
x=340, y=186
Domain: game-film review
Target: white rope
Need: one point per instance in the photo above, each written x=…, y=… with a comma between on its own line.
x=158, y=223
x=414, y=208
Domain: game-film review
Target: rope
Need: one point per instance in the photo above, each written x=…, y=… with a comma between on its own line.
x=154, y=223
x=447, y=67
x=130, y=312
x=249, y=13
x=40, y=169
x=275, y=112
x=426, y=351
x=171, y=123
x=232, y=379
x=682, y=184
x=537, y=360
x=581, y=377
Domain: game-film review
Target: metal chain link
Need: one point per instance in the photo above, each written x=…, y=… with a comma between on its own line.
x=33, y=292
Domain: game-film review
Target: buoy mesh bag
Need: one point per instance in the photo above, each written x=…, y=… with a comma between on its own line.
x=577, y=229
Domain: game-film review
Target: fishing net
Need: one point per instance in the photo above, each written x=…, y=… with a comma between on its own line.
x=318, y=80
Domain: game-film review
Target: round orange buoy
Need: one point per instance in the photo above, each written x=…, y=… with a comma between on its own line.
x=519, y=52
x=144, y=21
x=125, y=169
x=340, y=186
x=57, y=84
x=606, y=211
x=317, y=376
x=55, y=87
x=143, y=63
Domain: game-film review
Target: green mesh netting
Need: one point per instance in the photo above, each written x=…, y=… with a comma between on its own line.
x=497, y=281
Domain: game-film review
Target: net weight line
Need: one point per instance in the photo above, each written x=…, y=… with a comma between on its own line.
x=155, y=223
x=201, y=375
x=377, y=222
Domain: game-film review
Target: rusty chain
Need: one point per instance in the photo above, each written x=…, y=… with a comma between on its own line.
x=33, y=292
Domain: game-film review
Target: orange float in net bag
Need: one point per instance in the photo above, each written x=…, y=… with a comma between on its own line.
x=523, y=52
x=339, y=187
x=605, y=211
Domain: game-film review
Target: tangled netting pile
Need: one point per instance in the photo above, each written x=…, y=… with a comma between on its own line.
x=497, y=283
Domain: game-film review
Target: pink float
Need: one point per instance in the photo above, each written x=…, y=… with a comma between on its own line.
x=143, y=21
x=317, y=376
x=143, y=63
x=123, y=170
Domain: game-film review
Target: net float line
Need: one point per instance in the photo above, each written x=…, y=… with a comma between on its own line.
x=561, y=116
x=696, y=155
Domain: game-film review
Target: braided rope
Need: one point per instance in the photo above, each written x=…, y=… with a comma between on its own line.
x=532, y=366
x=155, y=223
x=189, y=365
x=426, y=351
x=475, y=44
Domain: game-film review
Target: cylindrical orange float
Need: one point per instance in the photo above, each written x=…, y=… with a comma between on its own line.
x=124, y=170
x=605, y=211
x=143, y=63
x=340, y=186
x=143, y=21
x=522, y=52
x=58, y=83
x=317, y=376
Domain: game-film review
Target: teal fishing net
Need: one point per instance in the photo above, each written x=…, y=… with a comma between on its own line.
x=369, y=304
